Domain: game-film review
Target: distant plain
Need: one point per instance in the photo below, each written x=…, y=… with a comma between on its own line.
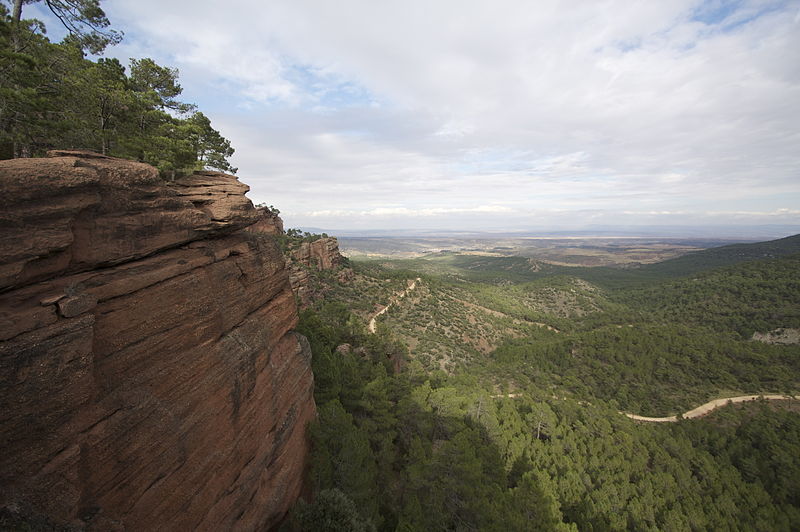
x=586, y=251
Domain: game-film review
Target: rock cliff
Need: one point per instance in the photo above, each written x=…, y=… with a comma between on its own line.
x=150, y=378
x=322, y=254
x=306, y=258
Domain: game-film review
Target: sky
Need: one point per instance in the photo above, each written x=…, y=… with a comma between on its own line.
x=494, y=115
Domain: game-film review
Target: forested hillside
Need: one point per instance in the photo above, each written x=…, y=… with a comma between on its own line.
x=748, y=297
x=56, y=96
x=725, y=256
x=506, y=415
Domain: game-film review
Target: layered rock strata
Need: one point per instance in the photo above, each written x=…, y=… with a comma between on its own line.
x=150, y=378
x=320, y=255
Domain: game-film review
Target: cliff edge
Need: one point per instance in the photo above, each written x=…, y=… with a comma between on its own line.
x=305, y=261
x=150, y=375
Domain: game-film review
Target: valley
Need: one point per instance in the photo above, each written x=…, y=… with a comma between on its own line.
x=525, y=367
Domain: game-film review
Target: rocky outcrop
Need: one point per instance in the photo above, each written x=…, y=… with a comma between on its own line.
x=782, y=336
x=269, y=222
x=150, y=376
x=302, y=285
x=317, y=256
x=322, y=254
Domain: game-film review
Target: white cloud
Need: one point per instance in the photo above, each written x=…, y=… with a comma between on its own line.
x=403, y=211
x=419, y=107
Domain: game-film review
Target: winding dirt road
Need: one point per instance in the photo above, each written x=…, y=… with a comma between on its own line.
x=397, y=297
x=700, y=411
x=706, y=408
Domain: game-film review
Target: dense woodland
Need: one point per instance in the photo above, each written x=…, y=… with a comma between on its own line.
x=63, y=96
x=530, y=435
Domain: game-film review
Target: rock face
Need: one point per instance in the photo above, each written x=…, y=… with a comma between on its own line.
x=150, y=378
x=321, y=255
x=269, y=222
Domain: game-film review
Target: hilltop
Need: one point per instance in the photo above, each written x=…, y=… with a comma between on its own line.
x=695, y=261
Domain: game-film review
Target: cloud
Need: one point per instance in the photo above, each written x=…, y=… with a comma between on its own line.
x=357, y=106
x=403, y=211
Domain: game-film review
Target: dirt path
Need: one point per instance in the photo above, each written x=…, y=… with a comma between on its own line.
x=706, y=408
x=397, y=297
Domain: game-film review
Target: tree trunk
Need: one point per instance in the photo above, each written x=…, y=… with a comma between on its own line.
x=16, y=15
x=102, y=134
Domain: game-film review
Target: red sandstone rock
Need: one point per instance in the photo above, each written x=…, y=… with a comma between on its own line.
x=150, y=376
x=345, y=276
x=270, y=223
x=344, y=349
x=68, y=214
x=321, y=255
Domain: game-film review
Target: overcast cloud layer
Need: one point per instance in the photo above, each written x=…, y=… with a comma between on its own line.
x=470, y=115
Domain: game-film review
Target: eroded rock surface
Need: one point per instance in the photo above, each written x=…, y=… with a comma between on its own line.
x=150, y=376
x=320, y=255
